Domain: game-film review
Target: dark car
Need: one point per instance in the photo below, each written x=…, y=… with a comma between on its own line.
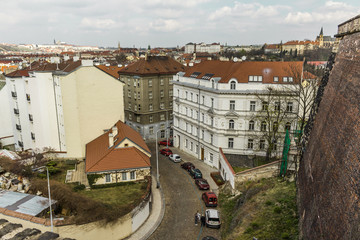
x=209, y=238
x=195, y=173
x=187, y=165
x=166, y=143
x=202, y=184
x=166, y=151
x=209, y=199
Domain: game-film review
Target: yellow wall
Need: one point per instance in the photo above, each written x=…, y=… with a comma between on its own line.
x=131, y=144
x=92, y=102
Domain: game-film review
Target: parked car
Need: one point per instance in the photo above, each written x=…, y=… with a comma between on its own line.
x=166, y=143
x=210, y=199
x=166, y=151
x=187, y=165
x=195, y=173
x=212, y=218
x=175, y=157
x=202, y=184
x=209, y=238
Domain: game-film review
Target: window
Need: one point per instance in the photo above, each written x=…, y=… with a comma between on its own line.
x=211, y=157
x=186, y=126
x=277, y=106
x=262, y=144
x=276, y=79
x=255, y=78
x=275, y=144
x=202, y=134
x=135, y=107
x=162, y=117
x=150, y=118
x=139, y=95
x=139, y=107
x=275, y=126
x=161, y=93
x=162, y=133
x=265, y=106
x=289, y=107
x=186, y=95
x=186, y=111
x=211, y=138
x=134, y=82
x=288, y=126
x=231, y=124
x=233, y=85
x=203, y=117
x=251, y=125
x=196, y=115
x=132, y=175
x=107, y=178
x=150, y=82
x=150, y=107
x=178, y=92
x=130, y=116
x=129, y=106
x=129, y=93
x=263, y=126
x=250, y=143
x=203, y=99
x=151, y=130
x=128, y=81
x=162, y=106
x=252, y=105
x=171, y=103
x=191, y=113
x=191, y=146
x=161, y=81
x=232, y=105
x=291, y=79
x=197, y=98
x=212, y=121
x=138, y=119
x=135, y=96
x=212, y=102
x=191, y=96
x=170, y=93
x=285, y=79
x=123, y=176
x=150, y=95
x=231, y=143
x=186, y=143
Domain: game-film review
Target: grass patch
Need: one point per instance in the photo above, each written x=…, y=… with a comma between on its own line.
x=266, y=209
x=240, y=169
x=62, y=167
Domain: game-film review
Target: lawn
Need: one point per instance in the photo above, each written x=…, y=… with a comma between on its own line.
x=240, y=169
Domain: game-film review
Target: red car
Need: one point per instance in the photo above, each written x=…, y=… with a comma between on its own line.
x=166, y=143
x=166, y=151
x=202, y=184
x=209, y=199
x=187, y=165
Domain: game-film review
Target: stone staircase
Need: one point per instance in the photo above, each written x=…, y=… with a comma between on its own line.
x=78, y=175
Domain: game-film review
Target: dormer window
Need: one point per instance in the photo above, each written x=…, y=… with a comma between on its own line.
x=233, y=85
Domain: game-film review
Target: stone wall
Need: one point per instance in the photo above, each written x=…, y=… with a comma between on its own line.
x=329, y=174
x=264, y=171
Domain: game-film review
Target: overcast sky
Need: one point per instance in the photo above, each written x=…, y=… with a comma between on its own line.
x=169, y=23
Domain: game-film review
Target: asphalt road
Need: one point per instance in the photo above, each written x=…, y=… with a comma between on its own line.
x=182, y=200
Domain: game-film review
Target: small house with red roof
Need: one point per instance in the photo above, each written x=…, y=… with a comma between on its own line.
x=118, y=155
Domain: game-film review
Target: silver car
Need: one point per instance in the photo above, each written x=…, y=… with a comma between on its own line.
x=175, y=157
x=212, y=218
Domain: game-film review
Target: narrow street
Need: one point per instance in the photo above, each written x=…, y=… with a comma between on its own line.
x=182, y=198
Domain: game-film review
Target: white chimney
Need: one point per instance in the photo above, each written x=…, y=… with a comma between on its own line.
x=114, y=131
x=111, y=140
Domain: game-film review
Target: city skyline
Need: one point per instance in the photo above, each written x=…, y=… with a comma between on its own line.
x=170, y=23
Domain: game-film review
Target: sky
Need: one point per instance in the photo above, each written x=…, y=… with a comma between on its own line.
x=169, y=23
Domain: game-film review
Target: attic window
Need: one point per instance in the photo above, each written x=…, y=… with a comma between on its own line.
x=126, y=145
x=207, y=76
x=195, y=74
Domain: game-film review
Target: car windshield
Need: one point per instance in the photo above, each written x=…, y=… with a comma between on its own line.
x=214, y=219
x=177, y=156
x=211, y=199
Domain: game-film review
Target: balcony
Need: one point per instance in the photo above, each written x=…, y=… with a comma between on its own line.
x=16, y=111
x=13, y=94
x=28, y=97
x=18, y=127
x=33, y=136
x=21, y=144
x=30, y=117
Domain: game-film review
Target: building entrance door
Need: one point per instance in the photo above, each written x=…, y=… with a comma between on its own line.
x=202, y=154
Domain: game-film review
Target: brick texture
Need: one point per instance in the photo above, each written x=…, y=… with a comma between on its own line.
x=329, y=174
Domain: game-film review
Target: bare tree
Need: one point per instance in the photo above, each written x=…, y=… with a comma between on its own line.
x=277, y=114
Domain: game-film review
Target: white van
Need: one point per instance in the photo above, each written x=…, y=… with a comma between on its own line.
x=212, y=218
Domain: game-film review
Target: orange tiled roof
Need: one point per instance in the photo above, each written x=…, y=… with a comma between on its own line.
x=111, y=70
x=99, y=157
x=242, y=70
x=301, y=42
x=153, y=65
x=308, y=75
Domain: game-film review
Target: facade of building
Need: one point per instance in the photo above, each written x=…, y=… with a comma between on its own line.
x=216, y=104
x=202, y=47
x=119, y=155
x=62, y=106
x=148, y=94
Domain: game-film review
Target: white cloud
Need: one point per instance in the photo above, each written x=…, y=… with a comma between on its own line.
x=98, y=23
x=165, y=25
x=337, y=5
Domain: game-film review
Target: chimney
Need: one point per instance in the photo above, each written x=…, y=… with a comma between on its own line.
x=114, y=131
x=111, y=140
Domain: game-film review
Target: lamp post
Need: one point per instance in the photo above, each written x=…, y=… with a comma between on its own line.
x=157, y=160
x=51, y=219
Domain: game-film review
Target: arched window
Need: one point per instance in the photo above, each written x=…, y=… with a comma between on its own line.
x=231, y=124
x=251, y=125
x=233, y=85
x=263, y=126
x=288, y=126
x=212, y=83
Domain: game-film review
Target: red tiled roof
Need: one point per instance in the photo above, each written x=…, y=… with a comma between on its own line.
x=308, y=75
x=242, y=70
x=99, y=157
x=153, y=65
x=18, y=73
x=301, y=43
x=111, y=70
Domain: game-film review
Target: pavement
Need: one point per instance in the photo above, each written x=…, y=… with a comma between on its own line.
x=157, y=208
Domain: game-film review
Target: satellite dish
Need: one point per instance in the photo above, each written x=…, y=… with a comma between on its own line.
x=243, y=58
x=235, y=59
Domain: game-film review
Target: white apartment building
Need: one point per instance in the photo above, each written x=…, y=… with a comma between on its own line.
x=62, y=106
x=215, y=105
x=202, y=47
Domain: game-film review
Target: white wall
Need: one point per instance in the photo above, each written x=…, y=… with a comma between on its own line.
x=6, y=128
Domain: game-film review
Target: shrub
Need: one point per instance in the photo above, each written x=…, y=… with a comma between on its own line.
x=268, y=203
x=51, y=164
x=277, y=210
x=79, y=187
x=285, y=236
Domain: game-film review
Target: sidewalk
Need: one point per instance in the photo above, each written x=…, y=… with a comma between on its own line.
x=157, y=212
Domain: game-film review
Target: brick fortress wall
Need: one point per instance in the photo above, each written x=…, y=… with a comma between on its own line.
x=329, y=174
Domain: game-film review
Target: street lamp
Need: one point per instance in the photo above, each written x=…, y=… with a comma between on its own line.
x=157, y=160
